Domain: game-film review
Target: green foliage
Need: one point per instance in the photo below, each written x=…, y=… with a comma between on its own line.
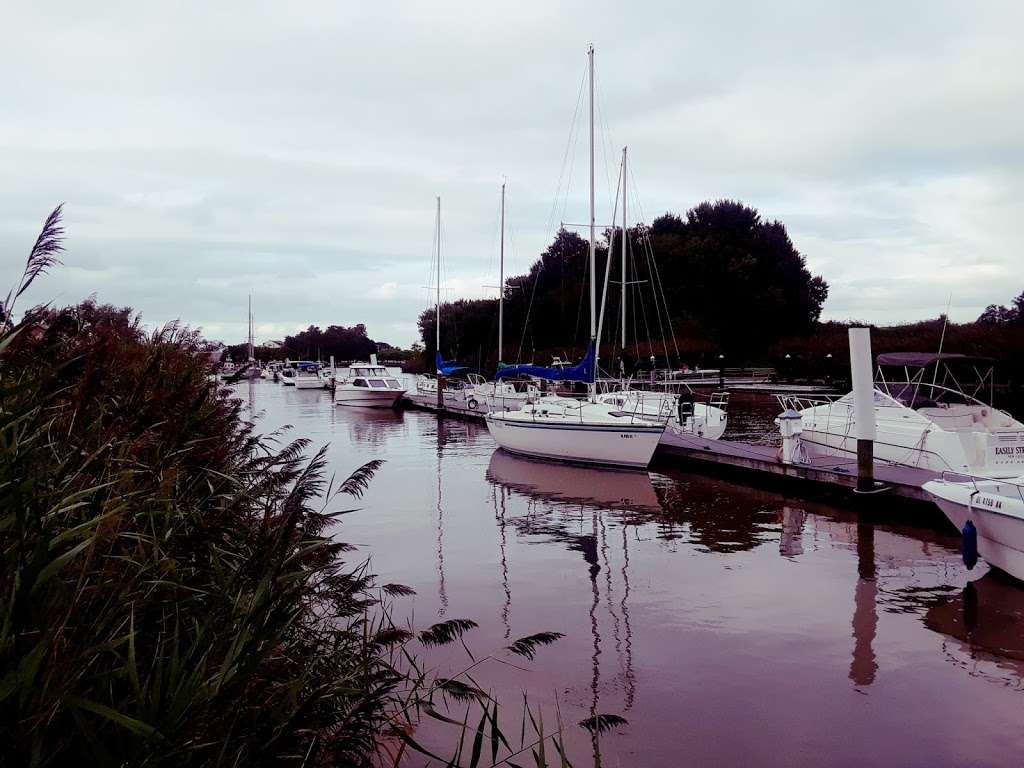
x=729, y=281
x=166, y=592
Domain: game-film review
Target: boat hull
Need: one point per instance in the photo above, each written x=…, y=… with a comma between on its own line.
x=611, y=445
x=998, y=519
x=308, y=383
x=363, y=398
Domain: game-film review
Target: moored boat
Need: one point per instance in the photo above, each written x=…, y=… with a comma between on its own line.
x=304, y=374
x=568, y=429
x=367, y=385
x=924, y=418
x=995, y=510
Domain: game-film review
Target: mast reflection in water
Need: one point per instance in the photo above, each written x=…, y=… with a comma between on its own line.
x=728, y=625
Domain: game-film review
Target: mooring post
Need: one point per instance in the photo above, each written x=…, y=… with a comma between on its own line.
x=441, y=383
x=861, y=376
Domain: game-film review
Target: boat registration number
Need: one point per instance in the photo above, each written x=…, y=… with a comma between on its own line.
x=988, y=502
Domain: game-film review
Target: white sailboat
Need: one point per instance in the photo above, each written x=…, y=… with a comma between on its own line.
x=571, y=430
x=498, y=395
x=452, y=392
x=685, y=415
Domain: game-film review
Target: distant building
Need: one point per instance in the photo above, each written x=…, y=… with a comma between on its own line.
x=272, y=345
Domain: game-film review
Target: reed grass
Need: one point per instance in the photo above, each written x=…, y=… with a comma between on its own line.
x=172, y=591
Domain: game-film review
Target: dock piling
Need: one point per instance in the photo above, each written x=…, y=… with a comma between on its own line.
x=862, y=379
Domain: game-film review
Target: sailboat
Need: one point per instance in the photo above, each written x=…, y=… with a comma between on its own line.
x=567, y=429
x=253, y=370
x=500, y=395
x=685, y=414
x=427, y=386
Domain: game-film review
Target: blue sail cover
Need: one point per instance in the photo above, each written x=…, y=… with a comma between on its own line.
x=582, y=371
x=448, y=368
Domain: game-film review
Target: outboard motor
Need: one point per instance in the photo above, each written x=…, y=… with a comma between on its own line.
x=969, y=545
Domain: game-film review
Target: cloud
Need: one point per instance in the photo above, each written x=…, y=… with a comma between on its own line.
x=207, y=152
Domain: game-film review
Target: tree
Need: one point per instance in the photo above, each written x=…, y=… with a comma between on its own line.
x=997, y=314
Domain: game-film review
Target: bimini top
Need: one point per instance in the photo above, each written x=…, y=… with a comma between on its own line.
x=582, y=371
x=922, y=359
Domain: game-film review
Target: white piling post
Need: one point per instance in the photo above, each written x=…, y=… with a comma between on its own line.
x=790, y=425
x=862, y=379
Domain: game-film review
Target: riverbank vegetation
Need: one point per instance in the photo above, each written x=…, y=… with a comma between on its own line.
x=173, y=590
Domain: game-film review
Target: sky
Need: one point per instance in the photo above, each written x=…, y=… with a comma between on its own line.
x=206, y=151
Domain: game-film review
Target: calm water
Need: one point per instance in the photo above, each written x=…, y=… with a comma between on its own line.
x=729, y=626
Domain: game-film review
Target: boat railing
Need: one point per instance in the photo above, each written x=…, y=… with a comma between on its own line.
x=961, y=478
x=790, y=402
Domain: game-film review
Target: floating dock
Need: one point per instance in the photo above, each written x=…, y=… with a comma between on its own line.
x=765, y=462
x=759, y=463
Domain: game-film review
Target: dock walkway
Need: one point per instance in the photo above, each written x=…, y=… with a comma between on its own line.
x=835, y=472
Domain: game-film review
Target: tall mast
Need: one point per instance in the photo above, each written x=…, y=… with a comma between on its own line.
x=501, y=282
x=593, y=256
x=250, y=327
x=437, y=304
x=624, y=241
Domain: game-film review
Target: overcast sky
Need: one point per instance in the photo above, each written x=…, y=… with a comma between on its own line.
x=294, y=150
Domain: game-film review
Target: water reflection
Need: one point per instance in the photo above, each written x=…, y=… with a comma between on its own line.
x=791, y=542
x=712, y=615
x=442, y=593
x=558, y=498
x=984, y=623
x=864, y=666
x=570, y=485
x=370, y=427
x=708, y=513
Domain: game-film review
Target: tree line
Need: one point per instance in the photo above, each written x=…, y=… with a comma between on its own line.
x=720, y=279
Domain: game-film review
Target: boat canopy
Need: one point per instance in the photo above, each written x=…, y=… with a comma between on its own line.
x=448, y=367
x=922, y=359
x=582, y=371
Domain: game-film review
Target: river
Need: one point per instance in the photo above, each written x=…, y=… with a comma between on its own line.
x=728, y=625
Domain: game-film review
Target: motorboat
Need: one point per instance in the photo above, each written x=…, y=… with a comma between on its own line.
x=924, y=418
x=305, y=374
x=367, y=385
x=996, y=510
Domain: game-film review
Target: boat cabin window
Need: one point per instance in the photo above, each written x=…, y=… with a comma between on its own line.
x=378, y=383
x=393, y=383
x=359, y=383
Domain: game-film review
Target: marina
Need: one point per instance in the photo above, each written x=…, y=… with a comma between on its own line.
x=689, y=431
x=712, y=614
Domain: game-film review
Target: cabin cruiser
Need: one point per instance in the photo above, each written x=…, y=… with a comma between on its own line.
x=303, y=374
x=367, y=385
x=685, y=415
x=924, y=418
x=996, y=510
